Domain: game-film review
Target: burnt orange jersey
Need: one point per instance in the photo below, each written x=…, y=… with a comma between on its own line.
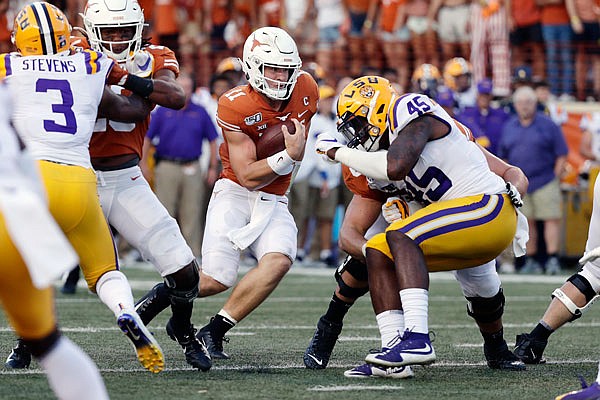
x=113, y=138
x=242, y=109
x=388, y=13
x=358, y=185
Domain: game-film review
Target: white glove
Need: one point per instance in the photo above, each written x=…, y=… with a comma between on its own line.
x=142, y=64
x=325, y=142
x=515, y=196
x=590, y=256
x=394, y=209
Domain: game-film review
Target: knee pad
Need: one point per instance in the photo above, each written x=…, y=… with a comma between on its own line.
x=486, y=309
x=358, y=270
x=182, y=285
x=584, y=286
x=39, y=347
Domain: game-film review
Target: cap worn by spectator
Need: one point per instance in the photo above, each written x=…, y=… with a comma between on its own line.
x=445, y=97
x=522, y=74
x=485, y=86
x=540, y=82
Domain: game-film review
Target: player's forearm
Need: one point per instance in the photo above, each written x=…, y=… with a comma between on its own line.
x=167, y=94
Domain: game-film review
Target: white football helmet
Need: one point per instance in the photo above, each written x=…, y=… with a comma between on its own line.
x=271, y=47
x=100, y=14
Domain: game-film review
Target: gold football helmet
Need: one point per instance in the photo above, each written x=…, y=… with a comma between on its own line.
x=426, y=79
x=454, y=68
x=362, y=109
x=41, y=28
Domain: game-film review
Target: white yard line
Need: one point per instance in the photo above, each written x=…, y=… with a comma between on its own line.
x=37, y=371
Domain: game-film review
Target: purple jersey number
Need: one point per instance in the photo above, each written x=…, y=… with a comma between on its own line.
x=65, y=108
x=417, y=106
x=422, y=188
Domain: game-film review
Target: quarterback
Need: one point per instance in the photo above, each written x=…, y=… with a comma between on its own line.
x=411, y=139
x=55, y=108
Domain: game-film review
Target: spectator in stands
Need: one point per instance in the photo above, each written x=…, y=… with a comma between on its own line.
x=452, y=19
x=532, y=142
x=489, y=41
x=270, y=12
x=584, y=22
x=314, y=193
x=548, y=103
x=331, y=15
x=521, y=77
x=527, y=43
x=299, y=21
x=178, y=136
x=458, y=76
x=486, y=121
x=360, y=43
x=394, y=36
x=423, y=36
x=557, y=34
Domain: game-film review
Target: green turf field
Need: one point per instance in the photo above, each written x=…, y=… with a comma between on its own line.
x=267, y=348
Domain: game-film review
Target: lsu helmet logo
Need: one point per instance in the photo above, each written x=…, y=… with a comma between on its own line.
x=40, y=29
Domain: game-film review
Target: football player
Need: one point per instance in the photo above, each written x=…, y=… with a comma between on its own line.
x=369, y=213
x=410, y=138
x=57, y=95
x=457, y=75
x=31, y=240
x=115, y=28
x=248, y=207
x=572, y=299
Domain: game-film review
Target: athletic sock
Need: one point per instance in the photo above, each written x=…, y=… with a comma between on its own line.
x=541, y=331
x=415, y=305
x=337, y=310
x=114, y=291
x=221, y=324
x=391, y=324
x=71, y=373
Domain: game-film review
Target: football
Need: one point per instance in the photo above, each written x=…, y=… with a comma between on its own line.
x=271, y=141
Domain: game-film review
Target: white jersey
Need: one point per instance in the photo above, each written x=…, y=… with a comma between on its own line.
x=56, y=101
x=449, y=167
x=9, y=145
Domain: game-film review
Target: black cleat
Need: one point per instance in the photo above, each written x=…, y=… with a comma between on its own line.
x=321, y=345
x=19, y=357
x=153, y=303
x=213, y=343
x=502, y=358
x=529, y=349
x=195, y=351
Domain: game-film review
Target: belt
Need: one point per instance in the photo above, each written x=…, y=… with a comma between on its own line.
x=175, y=160
x=127, y=164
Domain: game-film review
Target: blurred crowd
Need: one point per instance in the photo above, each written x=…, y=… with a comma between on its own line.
x=558, y=39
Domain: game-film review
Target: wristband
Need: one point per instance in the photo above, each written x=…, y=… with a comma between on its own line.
x=141, y=86
x=281, y=163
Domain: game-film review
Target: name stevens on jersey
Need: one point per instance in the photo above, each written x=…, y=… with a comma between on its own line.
x=48, y=65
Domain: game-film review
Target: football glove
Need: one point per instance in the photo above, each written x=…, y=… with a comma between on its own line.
x=142, y=64
x=515, y=196
x=394, y=209
x=590, y=256
x=326, y=142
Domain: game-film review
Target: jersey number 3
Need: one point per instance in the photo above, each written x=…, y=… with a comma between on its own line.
x=65, y=108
